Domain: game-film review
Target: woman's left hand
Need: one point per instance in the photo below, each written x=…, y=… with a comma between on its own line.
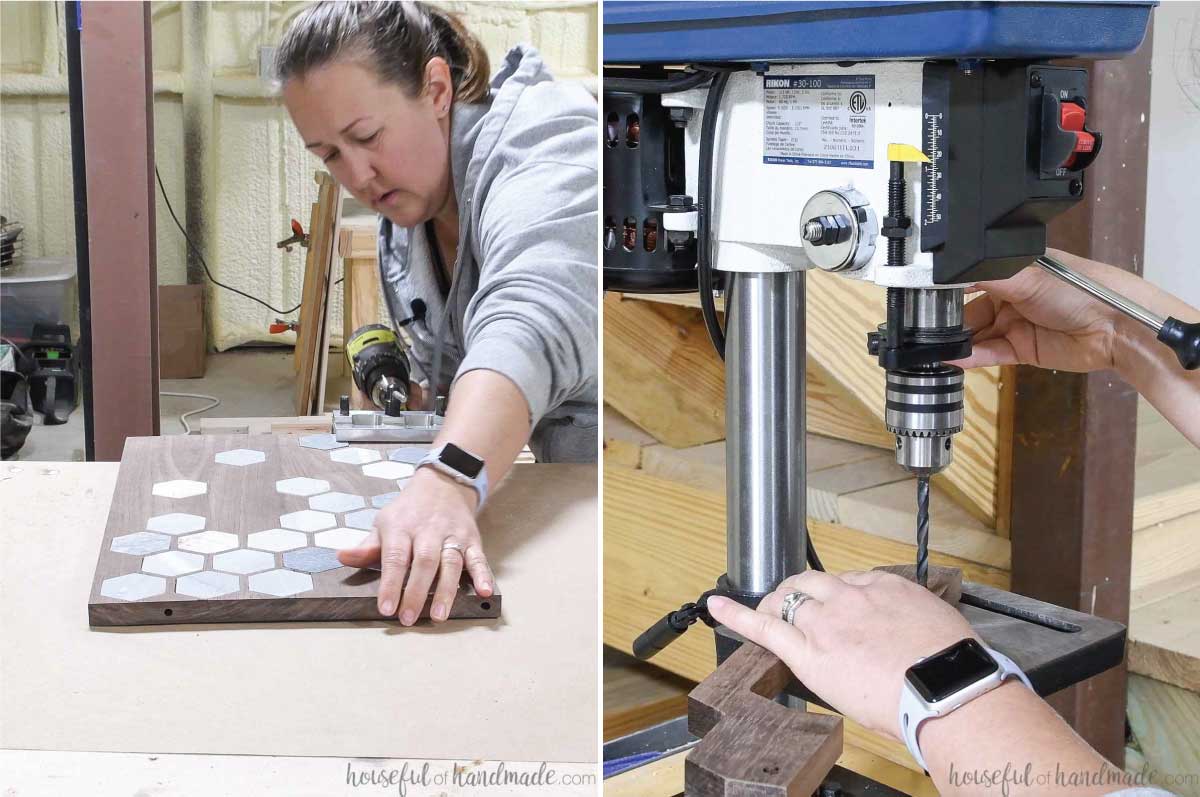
x=412, y=539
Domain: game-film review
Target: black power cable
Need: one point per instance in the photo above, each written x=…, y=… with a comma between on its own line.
x=704, y=268
x=667, y=85
x=204, y=263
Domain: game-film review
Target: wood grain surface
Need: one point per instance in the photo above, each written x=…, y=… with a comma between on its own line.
x=242, y=500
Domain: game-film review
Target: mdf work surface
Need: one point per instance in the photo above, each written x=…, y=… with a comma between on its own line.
x=521, y=687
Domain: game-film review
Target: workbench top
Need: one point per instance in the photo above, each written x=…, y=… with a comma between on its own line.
x=523, y=688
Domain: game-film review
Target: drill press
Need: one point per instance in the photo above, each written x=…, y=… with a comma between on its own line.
x=799, y=136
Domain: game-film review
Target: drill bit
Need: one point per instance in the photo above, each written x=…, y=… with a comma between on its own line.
x=923, y=531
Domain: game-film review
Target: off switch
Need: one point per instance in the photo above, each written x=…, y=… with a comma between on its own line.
x=1072, y=118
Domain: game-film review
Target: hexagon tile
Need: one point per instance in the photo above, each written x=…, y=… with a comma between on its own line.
x=243, y=561
x=206, y=584
x=412, y=454
x=355, y=456
x=380, y=501
x=307, y=520
x=175, y=523
x=322, y=442
x=208, y=542
x=133, y=587
x=172, y=563
x=311, y=560
x=281, y=583
x=276, y=540
x=302, y=486
x=179, y=488
x=336, y=502
x=388, y=470
x=241, y=457
x=363, y=519
x=339, y=538
x=141, y=543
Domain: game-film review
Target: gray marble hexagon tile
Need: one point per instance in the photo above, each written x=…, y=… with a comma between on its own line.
x=321, y=442
x=380, y=501
x=140, y=543
x=362, y=519
x=311, y=560
x=410, y=454
x=241, y=457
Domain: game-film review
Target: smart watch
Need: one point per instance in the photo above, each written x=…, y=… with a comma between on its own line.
x=950, y=678
x=460, y=465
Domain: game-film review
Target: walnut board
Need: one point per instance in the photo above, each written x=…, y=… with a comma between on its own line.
x=214, y=549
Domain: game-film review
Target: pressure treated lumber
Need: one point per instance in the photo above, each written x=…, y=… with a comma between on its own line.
x=1164, y=719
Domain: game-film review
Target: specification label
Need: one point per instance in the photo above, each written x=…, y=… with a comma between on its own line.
x=819, y=120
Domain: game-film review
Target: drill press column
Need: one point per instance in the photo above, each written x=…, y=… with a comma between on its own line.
x=764, y=429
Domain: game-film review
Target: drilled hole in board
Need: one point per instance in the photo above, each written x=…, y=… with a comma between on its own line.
x=485, y=605
x=168, y=612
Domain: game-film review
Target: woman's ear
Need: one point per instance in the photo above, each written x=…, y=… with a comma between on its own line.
x=439, y=87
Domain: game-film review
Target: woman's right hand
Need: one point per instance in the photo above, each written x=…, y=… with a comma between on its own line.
x=853, y=641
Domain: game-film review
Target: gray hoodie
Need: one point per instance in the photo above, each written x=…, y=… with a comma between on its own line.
x=523, y=301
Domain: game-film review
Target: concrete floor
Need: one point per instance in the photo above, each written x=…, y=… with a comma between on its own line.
x=251, y=383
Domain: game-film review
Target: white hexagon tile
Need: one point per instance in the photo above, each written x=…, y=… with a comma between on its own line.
x=243, y=561
x=241, y=457
x=141, y=543
x=321, y=442
x=276, y=540
x=179, y=488
x=208, y=542
x=133, y=587
x=302, y=486
x=307, y=520
x=281, y=583
x=363, y=519
x=388, y=470
x=339, y=538
x=355, y=456
x=175, y=523
x=206, y=584
x=336, y=502
x=311, y=560
x=172, y=563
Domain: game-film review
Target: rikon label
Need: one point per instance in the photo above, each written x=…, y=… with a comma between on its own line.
x=819, y=120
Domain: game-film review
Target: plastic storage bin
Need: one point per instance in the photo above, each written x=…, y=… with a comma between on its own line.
x=39, y=289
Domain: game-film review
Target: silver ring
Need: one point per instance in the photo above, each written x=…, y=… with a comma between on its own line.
x=452, y=546
x=791, y=602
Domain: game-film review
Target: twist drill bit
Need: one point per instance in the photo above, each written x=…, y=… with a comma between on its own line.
x=923, y=531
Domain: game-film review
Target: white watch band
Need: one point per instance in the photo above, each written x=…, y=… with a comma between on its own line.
x=914, y=710
x=479, y=483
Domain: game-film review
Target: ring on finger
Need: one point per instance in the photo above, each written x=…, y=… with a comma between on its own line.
x=451, y=545
x=791, y=602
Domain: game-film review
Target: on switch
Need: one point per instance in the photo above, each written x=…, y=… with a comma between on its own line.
x=1072, y=117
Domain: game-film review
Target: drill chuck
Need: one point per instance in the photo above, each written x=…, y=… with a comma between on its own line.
x=924, y=409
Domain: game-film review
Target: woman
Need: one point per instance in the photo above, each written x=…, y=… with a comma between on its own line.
x=854, y=635
x=487, y=247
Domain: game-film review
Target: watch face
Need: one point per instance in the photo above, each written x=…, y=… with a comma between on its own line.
x=949, y=671
x=461, y=461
